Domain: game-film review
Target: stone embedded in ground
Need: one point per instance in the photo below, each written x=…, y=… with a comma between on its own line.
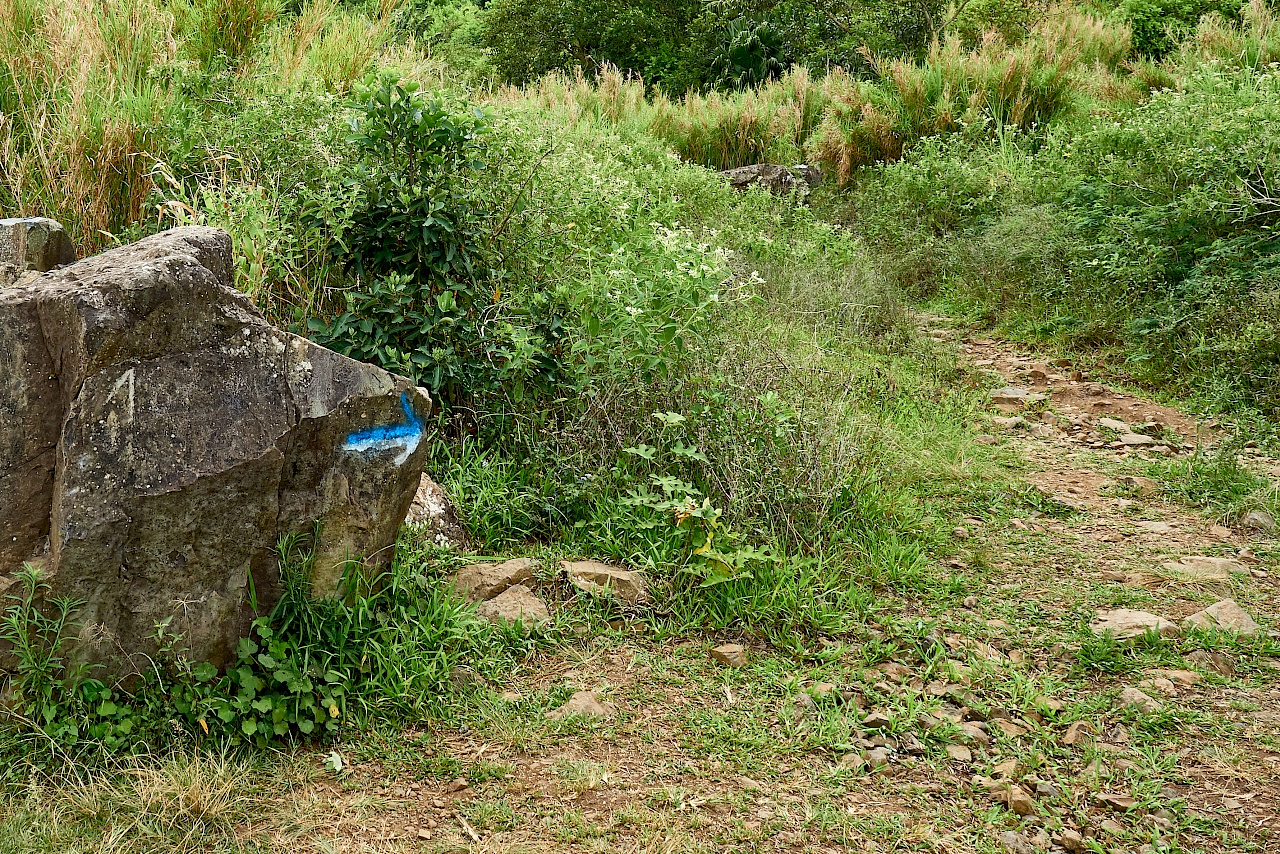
x=1160, y=685
x=1215, y=661
x=960, y=533
x=1017, y=422
x=1114, y=425
x=1200, y=569
x=985, y=439
x=480, y=582
x=876, y=757
x=431, y=509
x=971, y=733
x=959, y=753
x=1009, y=728
x=1136, y=440
x=1111, y=827
x=877, y=720
x=1018, y=800
x=1126, y=624
x=730, y=654
x=778, y=180
x=1182, y=678
x=1009, y=396
x=584, y=704
x=34, y=244
x=1072, y=842
x=1132, y=698
x=1143, y=486
x=1260, y=520
x=1013, y=842
x=515, y=604
x=158, y=438
x=1226, y=615
x=1078, y=732
x=1117, y=802
x=594, y=577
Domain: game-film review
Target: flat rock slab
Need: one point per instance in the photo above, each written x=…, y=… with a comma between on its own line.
x=158, y=438
x=1226, y=615
x=600, y=578
x=517, y=604
x=1126, y=624
x=583, y=704
x=480, y=582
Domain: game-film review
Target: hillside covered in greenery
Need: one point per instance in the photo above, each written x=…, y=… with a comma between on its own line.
x=765, y=402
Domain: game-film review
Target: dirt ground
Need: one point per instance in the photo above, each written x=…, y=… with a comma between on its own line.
x=1009, y=735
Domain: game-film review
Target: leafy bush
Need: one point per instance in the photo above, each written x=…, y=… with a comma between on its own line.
x=306, y=669
x=417, y=248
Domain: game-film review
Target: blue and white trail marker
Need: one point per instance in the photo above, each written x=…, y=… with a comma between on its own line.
x=405, y=436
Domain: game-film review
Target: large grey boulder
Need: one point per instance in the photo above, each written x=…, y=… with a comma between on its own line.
x=32, y=243
x=158, y=438
x=778, y=180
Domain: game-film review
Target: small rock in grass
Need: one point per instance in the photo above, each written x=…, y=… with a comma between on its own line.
x=959, y=753
x=960, y=532
x=1077, y=733
x=515, y=604
x=1137, y=440
x=1111, y=827
x=480, y=582
x=584, y=704
x=1009, y=728
x=1119, y=803
x=1215, y=661
x=985, y=439
x=1143, y=486
x=1126, y=624
x=1161, y=685
x=877, y=757
x=730, y=655
x=1019, y=801
x=877, y=720
x=1182, y=678
x=1046, y=789
x=594, y=577
x=971, y=733
x=1132, y=698
x=1015, y=843
x=1114, y=425
x=1016, y=422
x=1072, y=841
x=1223, y=616
x=970, y=602
x=1009, y=396
x=1260, y=520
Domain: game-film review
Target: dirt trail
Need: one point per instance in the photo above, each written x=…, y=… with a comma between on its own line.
x=779, y=756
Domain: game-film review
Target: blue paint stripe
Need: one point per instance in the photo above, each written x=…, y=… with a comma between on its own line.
x=410, y=429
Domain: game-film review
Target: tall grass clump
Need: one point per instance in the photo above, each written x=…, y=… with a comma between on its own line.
x=87, y=92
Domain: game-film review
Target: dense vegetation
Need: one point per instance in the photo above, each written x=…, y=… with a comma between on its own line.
x=631, y=362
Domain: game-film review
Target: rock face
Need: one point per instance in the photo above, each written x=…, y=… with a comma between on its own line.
x=33, y=243
x=158, y=438
x=778, y=180
x=432, y=509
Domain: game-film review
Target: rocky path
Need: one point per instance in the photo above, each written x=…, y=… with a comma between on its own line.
x=1012, y=725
